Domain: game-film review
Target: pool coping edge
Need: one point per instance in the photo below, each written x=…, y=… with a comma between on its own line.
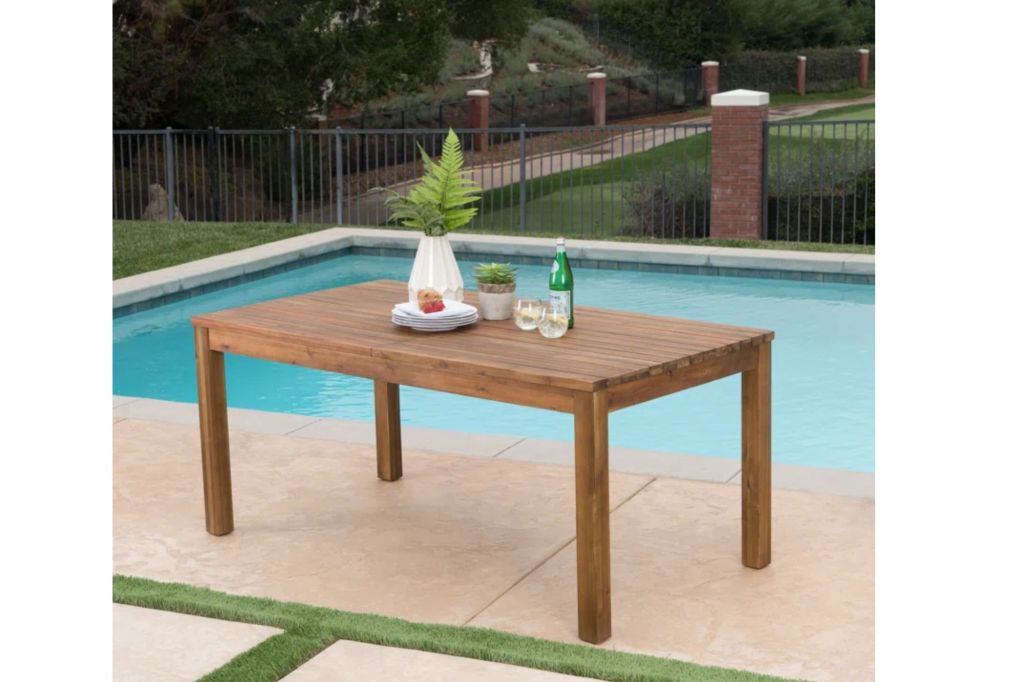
x=177, y=279
x=709, y=469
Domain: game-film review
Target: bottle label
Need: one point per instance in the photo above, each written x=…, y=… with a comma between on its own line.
x=563, y=299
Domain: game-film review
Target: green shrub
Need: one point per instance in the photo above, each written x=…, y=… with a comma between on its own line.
x=819, y=191
x=671, y=205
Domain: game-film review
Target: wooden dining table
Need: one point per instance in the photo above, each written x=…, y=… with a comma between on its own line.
x=608, y=361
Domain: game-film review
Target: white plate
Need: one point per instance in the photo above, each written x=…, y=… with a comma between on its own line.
x=452, y=309
x=432, y=323
x=409, y=322
x=418, y=321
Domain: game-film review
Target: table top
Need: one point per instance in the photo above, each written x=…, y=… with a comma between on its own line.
x=605, y=348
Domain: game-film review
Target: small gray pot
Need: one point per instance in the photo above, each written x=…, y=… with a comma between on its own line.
x=496, y=300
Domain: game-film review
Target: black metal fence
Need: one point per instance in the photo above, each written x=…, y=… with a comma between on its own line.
x=645, y=181
x=569, y=105
x=820, y=182
x=636, y=181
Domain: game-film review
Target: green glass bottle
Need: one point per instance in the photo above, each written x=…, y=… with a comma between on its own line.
x=560, y=280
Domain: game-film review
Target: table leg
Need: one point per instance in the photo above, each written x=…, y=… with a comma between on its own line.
x=593, y=541
x=389, y=431
x=757, y=461
x=213, y=433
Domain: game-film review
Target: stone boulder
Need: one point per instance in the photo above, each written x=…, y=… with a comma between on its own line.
x=156, y=209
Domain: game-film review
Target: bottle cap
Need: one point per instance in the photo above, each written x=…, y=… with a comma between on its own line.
x=560, y=240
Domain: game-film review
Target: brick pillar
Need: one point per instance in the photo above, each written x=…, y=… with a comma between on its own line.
x=709, y=80
x=597, y=96
x=737, y=146
x=479, y=113
x=801, y=75
x=862, y=72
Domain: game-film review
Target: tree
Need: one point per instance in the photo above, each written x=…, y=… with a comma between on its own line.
x=504, y=20
x=266, y=63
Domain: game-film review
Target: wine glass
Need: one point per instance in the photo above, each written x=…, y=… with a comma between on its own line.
x=527, y=313
x=554, y=320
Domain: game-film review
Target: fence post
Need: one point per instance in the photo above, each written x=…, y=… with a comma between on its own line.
x=479, y=115
x=522, y=177
x=292, y=174
x=598, y=94
x=737, y=164
x=709, y=80
x=864, y=55
x=801, y=75
x=212, y=176
x=169, y=171
x=339, y=180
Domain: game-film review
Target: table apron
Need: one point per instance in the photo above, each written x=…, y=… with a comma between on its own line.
x=688, y=376
x=325, y=358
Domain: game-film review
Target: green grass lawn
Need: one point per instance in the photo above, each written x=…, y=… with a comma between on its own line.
x=308, y=630
x=854, y=112
x=143, y=246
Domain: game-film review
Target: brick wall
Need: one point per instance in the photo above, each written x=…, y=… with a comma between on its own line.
x=737, y=146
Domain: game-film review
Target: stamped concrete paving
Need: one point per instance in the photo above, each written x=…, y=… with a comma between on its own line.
x=489, y=542
x=358, y=662
x=160, y=646
x=314, y=524
x=679, y=590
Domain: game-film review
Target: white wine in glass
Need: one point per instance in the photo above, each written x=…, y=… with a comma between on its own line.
x=554, y=320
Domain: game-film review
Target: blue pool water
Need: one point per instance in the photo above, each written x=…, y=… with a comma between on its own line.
x=823, y=363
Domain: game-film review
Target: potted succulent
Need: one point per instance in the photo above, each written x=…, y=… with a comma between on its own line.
x=496, y=284
x=437, y=205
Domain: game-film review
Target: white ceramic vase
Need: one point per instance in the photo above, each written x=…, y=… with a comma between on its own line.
x=435, y=267
x=496, y=300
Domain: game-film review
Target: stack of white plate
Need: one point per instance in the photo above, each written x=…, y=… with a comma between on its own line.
x=455, y=314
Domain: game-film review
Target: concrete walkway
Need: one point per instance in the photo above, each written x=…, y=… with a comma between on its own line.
x=161, y=646
x=490, y=542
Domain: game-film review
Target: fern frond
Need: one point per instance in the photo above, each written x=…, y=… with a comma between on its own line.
x=437, y=204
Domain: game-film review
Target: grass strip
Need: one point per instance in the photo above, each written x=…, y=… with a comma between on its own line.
x=309, y=629
x=141, y=246
x=271, y=659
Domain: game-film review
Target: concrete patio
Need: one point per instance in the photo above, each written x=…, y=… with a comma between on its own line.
x=488, y=541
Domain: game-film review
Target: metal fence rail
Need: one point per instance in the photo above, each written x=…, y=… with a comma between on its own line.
x=820, y=182
x=642, y=181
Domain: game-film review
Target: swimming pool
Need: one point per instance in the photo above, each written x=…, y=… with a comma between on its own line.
x=823, y=362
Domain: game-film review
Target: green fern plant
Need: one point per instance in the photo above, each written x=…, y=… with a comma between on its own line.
x=439, y=203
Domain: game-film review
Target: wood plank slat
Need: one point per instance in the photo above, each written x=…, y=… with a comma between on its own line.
x=694, y=374
x=330, y=359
